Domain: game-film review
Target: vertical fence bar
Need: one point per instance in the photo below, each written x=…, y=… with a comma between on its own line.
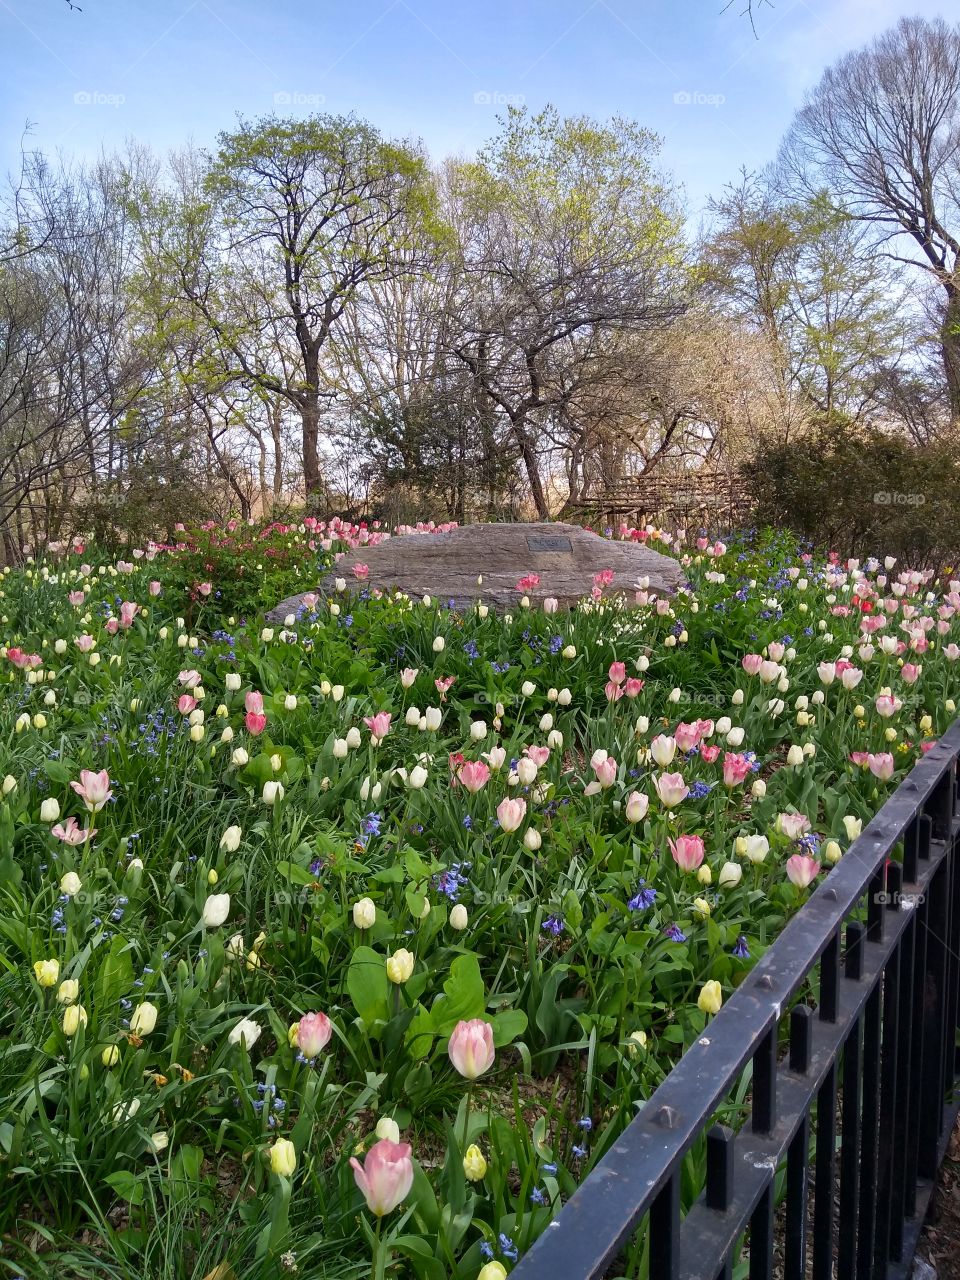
x=719, y=1183
x=850, y=1124
x=761, y=1236
x=795, y=1244
x=912, y=1146
x=931, y=1077
x=908, y=1028
x=825, y=1177
x=890, y=1036
x=953, y=954
x=665, y=1231
x=765, y=1083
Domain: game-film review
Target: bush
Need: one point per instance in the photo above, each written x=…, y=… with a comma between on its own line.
x=854, y=491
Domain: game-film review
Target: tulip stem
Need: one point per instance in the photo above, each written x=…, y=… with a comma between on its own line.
x=466, y=1118
x=375, y=1271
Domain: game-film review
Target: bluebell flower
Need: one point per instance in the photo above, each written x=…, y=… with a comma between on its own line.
x=643, y=898
x=675, y=933
x=740, y=948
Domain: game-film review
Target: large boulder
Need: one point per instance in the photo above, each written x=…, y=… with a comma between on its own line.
x=447, y=566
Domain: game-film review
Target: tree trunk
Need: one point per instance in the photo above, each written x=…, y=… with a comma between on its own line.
x=950, y=344
x=310, y=413
x=529, y=455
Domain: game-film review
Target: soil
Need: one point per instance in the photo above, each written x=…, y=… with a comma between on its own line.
x=939, y=1245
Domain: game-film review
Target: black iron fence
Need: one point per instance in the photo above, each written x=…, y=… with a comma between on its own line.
x=851, y=1098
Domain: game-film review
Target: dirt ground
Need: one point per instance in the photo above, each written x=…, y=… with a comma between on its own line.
x=939, y=1244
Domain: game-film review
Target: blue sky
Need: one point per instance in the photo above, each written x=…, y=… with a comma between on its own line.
x=168, y=71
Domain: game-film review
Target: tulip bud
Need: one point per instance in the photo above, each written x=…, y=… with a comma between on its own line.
x=364, y=913
x=474, y=1164
x=283, y=1158
x=400, y=966
x=388, y=1128
x=47, y=972
x=458, y=917
x=50, y=810
x=74, y=1017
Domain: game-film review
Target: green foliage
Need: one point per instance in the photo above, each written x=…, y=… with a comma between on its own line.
x=851, y=490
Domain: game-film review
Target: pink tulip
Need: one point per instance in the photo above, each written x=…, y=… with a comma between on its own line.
x=632, y=687
x=704, y=728
x=189, y=679
x=84, y=643
x=471, y=1048
x=474, y=775
x=776, y=650
x=205, y=588
x=539, y=755
x=860, y=758
x=93, y=789
x=408, y=675
x=910, y=673
x=379, y=725
x=686, y=735
x=687, y=852
x=636, y=806
x=253, y=702
x=606, y=771
x=76, y=597
x=793, y=825
x=128, y=611
x=671, y=789
x=186, y=703
x=155, y=588
x=802, y=870
x=510, y=813
x=617, y=673
x=313, y=1033
x=613, y=691
x=887, y=705
x=881, y=765
x=735, y=769
x=255, y=721
x=709, y=754
x=751, y=663
x=71, y=832
x=951, y=652
x=111, y=626
x=386, y=1175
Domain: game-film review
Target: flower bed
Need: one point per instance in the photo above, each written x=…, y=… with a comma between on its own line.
x=365, y=934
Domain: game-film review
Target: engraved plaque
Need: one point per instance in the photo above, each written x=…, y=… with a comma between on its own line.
x=545, y=542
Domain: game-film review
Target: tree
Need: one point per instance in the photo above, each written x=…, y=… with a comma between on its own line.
x=804, y=275
x=882, y=132
x=300, y=216
x=567, y=238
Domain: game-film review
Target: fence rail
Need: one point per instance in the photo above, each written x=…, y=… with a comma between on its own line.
x=858, y=1105
x=704, y=495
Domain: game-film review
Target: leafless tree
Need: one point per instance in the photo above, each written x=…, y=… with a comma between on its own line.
x=882, y=132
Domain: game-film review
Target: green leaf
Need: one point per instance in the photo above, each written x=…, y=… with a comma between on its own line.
x=368, y=985
x=128, y=1186
x=463, y=996
x=507, y=1025
x=115, y=976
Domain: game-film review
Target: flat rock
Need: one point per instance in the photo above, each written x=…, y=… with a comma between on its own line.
x=446, y=565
